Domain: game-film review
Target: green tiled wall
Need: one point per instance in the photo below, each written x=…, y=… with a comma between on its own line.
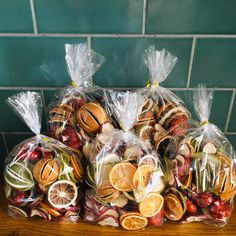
x=202, y=34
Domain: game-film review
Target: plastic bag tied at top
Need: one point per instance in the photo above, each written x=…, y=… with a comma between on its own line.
x=202, y=174
x=77, y=114
x=125, y=176
x=163, y=118
x=42, y=176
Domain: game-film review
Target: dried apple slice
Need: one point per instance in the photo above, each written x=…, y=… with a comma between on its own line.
x=121, y=201
x=209, y=148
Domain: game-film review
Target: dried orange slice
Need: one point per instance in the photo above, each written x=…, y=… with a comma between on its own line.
x=133, y=221
x=151, y=205
x=173, y=209
x=62, y=194
x=121, y=176
x=142, y=177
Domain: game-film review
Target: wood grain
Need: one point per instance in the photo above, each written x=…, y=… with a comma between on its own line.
x=25, y=227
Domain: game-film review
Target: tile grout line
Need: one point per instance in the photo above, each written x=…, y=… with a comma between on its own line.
x=16, y=132
x=84, y=35
x=5, y=143
x=121, y=88
x=33, y=17
x=144, y=21
x=191, y=61
x=230, y=133
x=44, y=105
x=230, y=111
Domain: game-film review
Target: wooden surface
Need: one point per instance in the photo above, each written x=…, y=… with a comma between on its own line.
x=9, y=226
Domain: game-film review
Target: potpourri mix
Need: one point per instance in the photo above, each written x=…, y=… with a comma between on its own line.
x=76, y=115
x=42, y=175
x=120, y=158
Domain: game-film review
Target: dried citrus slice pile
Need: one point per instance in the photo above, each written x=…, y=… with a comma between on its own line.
x=133, y=221
x=121, y=176
x=62, y=194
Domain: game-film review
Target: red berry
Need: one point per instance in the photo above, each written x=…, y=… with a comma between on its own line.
x=203, y=200
x=220, y=209
x=35, y=155
x=191, y=208
x=157, y=220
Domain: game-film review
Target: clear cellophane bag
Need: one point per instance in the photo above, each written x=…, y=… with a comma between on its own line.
x=42, y=176
x=163, y=118
x=124, y=175
x=77, y=113
x=202, y=176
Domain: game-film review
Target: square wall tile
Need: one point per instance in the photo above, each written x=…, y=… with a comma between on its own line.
x=232, y=139
x=50, y=96
x=15, y=16
x=3, y=153
x=10, y=121
x=36, y=61
x=215, y=63
x=219, y=109
x=124, y=66
x=191, y=17
x=14, y=139
x=232, y=122
x=90, y=16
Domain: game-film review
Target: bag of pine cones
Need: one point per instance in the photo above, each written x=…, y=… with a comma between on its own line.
x=77, y=113
x=124, y=175
x=202, y=176
x=43, y=177
x=163, y=118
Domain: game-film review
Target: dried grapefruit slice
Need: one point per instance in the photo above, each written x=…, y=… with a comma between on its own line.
x=133, y=221
x=151, y=205
x=62, y=194
x=121, y=176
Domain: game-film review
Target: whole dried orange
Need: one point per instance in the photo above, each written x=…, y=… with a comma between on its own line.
x=152, y=204
x=121, y=176
x=133, y=221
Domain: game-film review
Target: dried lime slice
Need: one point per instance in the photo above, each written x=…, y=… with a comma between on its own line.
x=19, y=176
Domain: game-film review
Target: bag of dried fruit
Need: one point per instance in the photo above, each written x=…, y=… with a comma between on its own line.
x=163, y=118
x=202, y=175
x=124, y=174
x=42, y=175
x=77, y=114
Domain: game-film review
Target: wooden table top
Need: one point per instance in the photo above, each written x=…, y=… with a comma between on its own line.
x=24, y=227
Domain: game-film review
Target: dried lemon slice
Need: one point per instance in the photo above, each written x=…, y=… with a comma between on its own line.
x=62, y=194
